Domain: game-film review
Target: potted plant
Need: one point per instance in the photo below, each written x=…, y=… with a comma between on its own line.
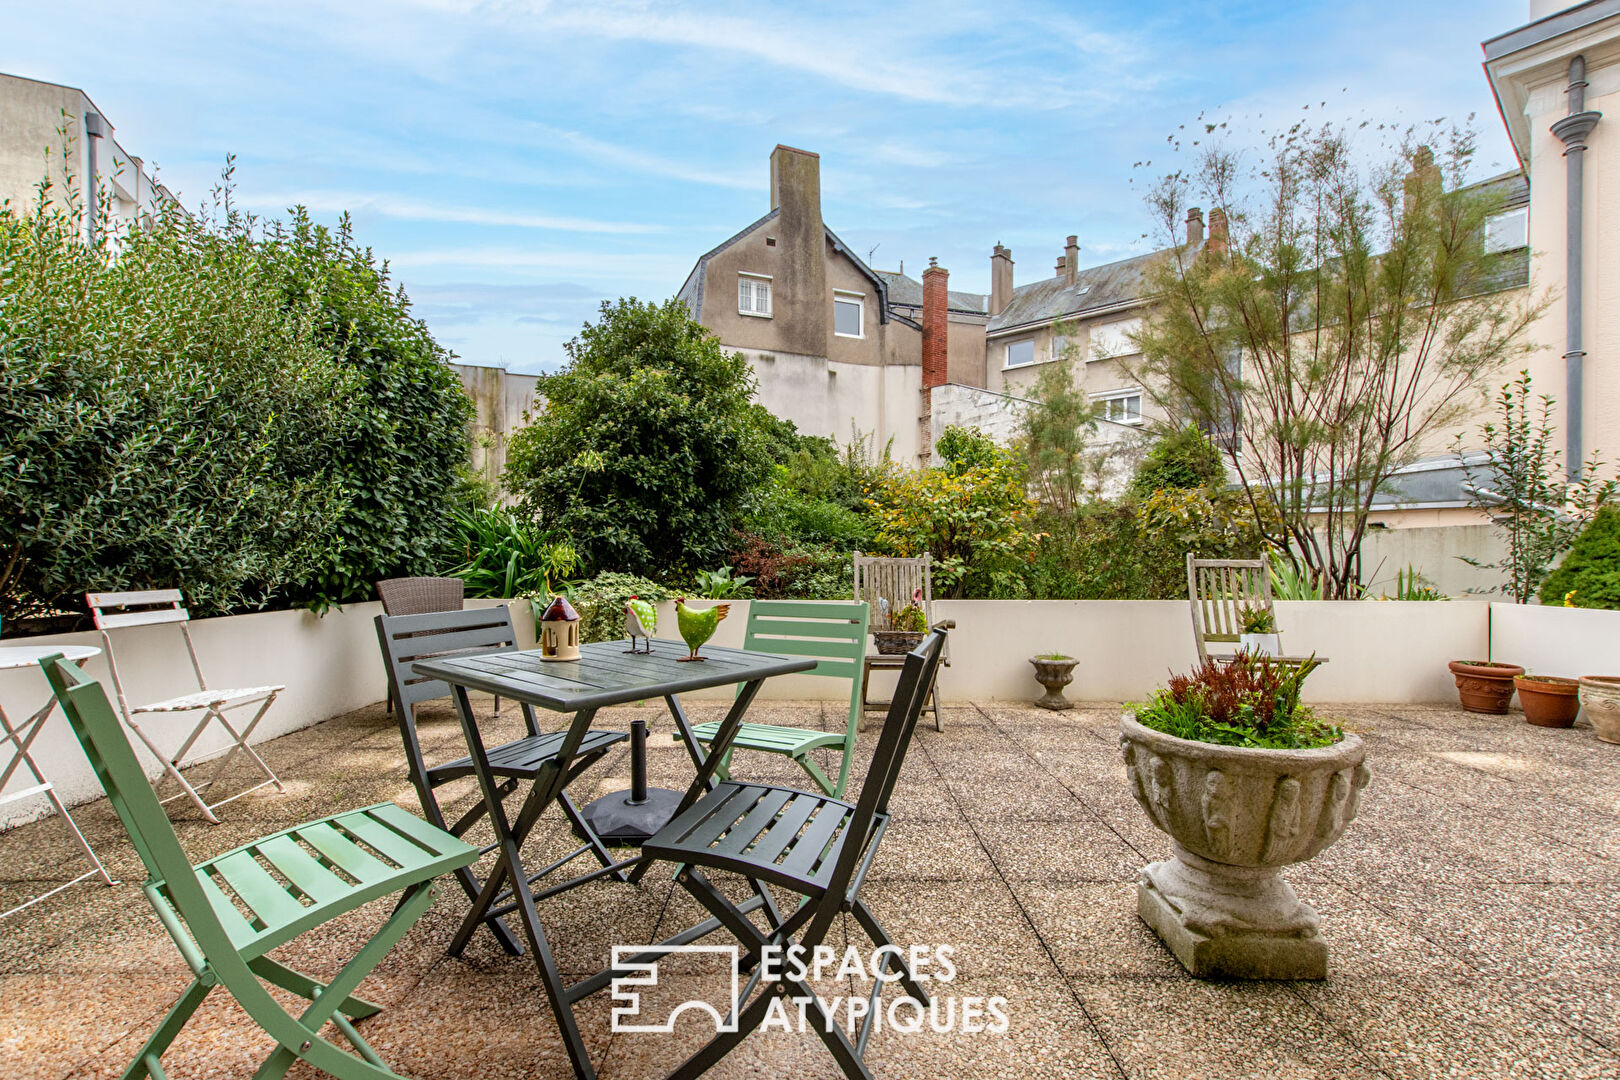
x=1600, y=695
x=1259, y=637
x=1484, y=686
x=904, y=632
x=1054, y=671
x=1548, y=700
x=1246, y=780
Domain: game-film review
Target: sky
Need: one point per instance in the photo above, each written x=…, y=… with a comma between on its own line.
x=518, y=162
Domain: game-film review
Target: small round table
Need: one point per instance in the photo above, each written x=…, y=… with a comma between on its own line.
x=21, y=738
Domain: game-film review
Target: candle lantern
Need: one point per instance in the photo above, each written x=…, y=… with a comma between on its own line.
x=559, y=631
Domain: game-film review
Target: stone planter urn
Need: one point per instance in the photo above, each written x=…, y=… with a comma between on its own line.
x=1484, y=687
x=1600, y=695
x=1237, y=816
x=1548, y=700
x=1054, y=673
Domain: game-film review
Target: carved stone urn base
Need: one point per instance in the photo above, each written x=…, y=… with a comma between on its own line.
x=1231, y=922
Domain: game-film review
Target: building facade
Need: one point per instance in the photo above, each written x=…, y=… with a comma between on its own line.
x=48, y=130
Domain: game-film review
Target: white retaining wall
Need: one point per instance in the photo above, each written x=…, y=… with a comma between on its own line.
x=1378, y=651
x=330, y=665
x=1556, y=640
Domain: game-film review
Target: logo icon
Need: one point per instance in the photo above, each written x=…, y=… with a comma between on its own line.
x=628, y=1017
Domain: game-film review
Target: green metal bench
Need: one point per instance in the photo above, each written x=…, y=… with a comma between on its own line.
x=834, y=634
x=227, y=913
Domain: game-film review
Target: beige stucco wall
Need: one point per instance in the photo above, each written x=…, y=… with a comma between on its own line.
x=965, y=356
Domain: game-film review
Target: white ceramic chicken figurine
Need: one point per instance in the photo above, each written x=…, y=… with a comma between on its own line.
x=640, y=621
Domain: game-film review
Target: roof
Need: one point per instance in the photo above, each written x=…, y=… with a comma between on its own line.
x=1545, y=29
x=691, y=292
x=1513, y=59
x=908, y=292
x=559, y=610
x=1095, y=288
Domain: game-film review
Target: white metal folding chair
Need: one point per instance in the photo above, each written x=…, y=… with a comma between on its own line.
x=112, y=611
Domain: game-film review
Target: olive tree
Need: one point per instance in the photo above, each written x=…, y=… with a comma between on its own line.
x=1341, y=318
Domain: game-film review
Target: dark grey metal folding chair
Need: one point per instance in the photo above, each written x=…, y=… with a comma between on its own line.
x=419, y=596
x=406, y=639
x=807, y=843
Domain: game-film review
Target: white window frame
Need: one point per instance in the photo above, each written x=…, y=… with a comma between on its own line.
x=1521, y=237
x=842, y=296
x=1006, y=354
x=755, y=280
x=1103, y=399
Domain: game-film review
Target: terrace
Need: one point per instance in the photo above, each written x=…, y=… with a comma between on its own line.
x=1469, y=911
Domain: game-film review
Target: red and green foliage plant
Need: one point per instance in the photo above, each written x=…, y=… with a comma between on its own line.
x=1252, y=702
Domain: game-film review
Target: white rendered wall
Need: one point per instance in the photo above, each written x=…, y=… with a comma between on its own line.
x=1556, y=640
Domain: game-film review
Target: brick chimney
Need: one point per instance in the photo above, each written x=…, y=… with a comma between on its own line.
x=1071, y=261
x=1001, y=279
x=800, y=300
x=1195, y=229
x=1425, y=174
x=1217, y=232
x=935, y=366
x=1057, y=271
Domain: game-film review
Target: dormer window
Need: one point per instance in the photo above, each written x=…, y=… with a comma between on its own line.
x=754, y=295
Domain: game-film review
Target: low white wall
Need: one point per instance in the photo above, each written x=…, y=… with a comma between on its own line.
x=330, y=664
x=1556, y=640
x=1379, y=651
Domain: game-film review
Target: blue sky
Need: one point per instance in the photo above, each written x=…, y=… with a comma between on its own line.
x=517, y=162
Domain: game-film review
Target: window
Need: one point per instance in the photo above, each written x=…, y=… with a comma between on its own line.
x=1020, y=353
x=849, y=311
x=1508, y=230
x=1114, y=339
x=1120, y=406
x=754, y=295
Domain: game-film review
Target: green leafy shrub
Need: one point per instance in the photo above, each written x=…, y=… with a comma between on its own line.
x=962, y=448
x=600, y=603
x=403, y=448
x=1254, y=703
x=1589, y=576
x=1184, y=458
x=168, y=418
x=648, y=452
x=721, y=585
x=503, y=556
x=910, y=618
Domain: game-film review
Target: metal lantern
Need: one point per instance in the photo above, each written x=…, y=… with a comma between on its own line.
x=559, y=631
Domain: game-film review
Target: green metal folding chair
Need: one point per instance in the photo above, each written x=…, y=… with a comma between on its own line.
x=834, y=633
x=226, y=914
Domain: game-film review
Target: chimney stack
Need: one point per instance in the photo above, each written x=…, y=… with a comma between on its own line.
x=1058, y=269
x=1425, y=175
x=800, y=298
x=1001, y=279
x=1071, y=261
x=1195, y=229
x=936, y=299
x=1217, y=232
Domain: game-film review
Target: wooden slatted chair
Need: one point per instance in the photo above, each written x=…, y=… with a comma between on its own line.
x=115, y=610
x=1219, y=590
x=406, y=639
x=226, y=914
x=832, y=632
x=887, y=584
x=818, y=847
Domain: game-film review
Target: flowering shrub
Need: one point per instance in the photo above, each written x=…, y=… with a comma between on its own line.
x=978, y=523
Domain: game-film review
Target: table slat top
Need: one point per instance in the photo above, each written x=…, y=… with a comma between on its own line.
x=607, y=673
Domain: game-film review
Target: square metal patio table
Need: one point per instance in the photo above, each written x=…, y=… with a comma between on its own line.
x=605, y=675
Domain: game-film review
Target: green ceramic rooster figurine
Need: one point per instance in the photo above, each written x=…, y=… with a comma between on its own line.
x=698, y=626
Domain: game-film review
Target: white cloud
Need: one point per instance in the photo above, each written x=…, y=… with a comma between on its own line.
x=636, y=266
x=421, y=210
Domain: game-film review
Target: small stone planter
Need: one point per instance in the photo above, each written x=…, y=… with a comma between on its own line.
x=1600, y=695
x=1483, y=686
x=1548, y=700
x=1238, y=816
x=1054, y=673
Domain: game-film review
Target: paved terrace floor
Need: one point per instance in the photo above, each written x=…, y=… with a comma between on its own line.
x=1473, y=914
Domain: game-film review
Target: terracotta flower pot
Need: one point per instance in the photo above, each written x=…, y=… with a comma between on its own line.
x=1548, y=700
x=1600, y=694
x=1484, y=687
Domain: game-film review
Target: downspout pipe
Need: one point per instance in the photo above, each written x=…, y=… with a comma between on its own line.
x=1572, y=131
x=95, y=129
